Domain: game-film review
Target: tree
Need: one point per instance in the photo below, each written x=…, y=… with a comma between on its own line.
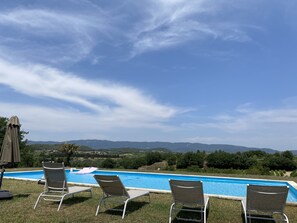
x=153, y=157
x=288, y=154
x=27, y=157
x=242, y=161
x=171, y=159
x=132, y=163
x=108, y=163
x=224, y=160
x=68, y=150
x=279, y=162
x=3, y=123
x=255, y=153
x=191, y=159
x=219, y=159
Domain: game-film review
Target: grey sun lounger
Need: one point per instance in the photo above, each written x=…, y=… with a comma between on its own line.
x=188, y=196
x=56, y=187
x=113, y=188
x=265, y=202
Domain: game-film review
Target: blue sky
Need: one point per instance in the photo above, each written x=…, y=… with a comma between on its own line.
x=208, y=71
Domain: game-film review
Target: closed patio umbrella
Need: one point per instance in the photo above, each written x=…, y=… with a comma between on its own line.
x=10, y=150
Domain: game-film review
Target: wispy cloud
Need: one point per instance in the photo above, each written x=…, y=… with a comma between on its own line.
x=274, y=128
x=250, y=120
x=58, y=123
x=54, y=36
x=170, y=23
x=114, y=102
x=48, y=35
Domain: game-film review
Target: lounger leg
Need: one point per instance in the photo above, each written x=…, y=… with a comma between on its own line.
x=37, y=201
x=244, y=211
x=61, y=202
x=204, y=215
x=125, y=206
x=170, y=213
x=286, y=218
x=98, y=208
x=205, y=210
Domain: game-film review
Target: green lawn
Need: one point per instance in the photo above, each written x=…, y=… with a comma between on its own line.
x=82, y=208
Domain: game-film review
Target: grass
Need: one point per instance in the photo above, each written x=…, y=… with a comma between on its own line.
x=81, y=208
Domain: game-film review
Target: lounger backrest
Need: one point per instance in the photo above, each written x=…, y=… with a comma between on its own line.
x=187, y=192
x=111, y=185
x=267, y=198
x=55, y=177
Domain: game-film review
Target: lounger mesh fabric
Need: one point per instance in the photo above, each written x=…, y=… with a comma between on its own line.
x=113, y=188
x=262, y=202
x=188, y=194
x=56, y=187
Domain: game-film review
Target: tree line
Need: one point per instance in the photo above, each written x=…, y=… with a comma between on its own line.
x=219, y=159
x=250, y=162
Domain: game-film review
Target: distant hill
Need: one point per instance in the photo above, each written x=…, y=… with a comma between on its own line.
x=173, y=146
x=53, y=146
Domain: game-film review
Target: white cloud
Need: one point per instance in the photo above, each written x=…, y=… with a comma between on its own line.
x=113, y=102
x=270, y=128
x=54, y=123
x=251, y=120
x=272, y=116
x=169, y=23
x=48, y=35
x=52, y=36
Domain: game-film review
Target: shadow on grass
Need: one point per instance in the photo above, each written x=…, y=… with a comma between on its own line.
x=259, y=220
x=131, y=207
x=73, y=200
x=191, y=216
x=21, y=195
x=67, y=202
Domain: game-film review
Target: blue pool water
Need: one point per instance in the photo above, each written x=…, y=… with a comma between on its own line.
x=211, y=185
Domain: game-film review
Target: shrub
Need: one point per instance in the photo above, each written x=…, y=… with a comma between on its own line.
x=278, y=162
x=190, y=159
x=132, y=163
x=153, y=157
x=171, y=167
x=108, y=163
x=171, y=159
x=259, y=170
x=194, y=168
x=224, y=160
x=294, y=174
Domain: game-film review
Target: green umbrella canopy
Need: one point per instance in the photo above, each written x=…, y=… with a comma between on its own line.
x=10, y=150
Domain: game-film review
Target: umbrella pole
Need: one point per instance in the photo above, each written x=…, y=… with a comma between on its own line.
x=4, y=194
x=2, y=170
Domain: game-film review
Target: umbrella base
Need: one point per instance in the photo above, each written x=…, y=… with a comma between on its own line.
x=5, y=195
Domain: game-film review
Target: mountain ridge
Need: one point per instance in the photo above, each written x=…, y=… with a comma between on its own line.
x=173, y=146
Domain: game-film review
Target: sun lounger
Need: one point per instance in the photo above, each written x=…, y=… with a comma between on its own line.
x=113, y=187
x=263, y=202
x=189, y=196
x=56, y=187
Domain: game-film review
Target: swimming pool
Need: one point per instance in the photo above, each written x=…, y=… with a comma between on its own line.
x=217, y=186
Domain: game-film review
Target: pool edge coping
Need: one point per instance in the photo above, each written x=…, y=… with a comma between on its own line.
x=291, y=183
